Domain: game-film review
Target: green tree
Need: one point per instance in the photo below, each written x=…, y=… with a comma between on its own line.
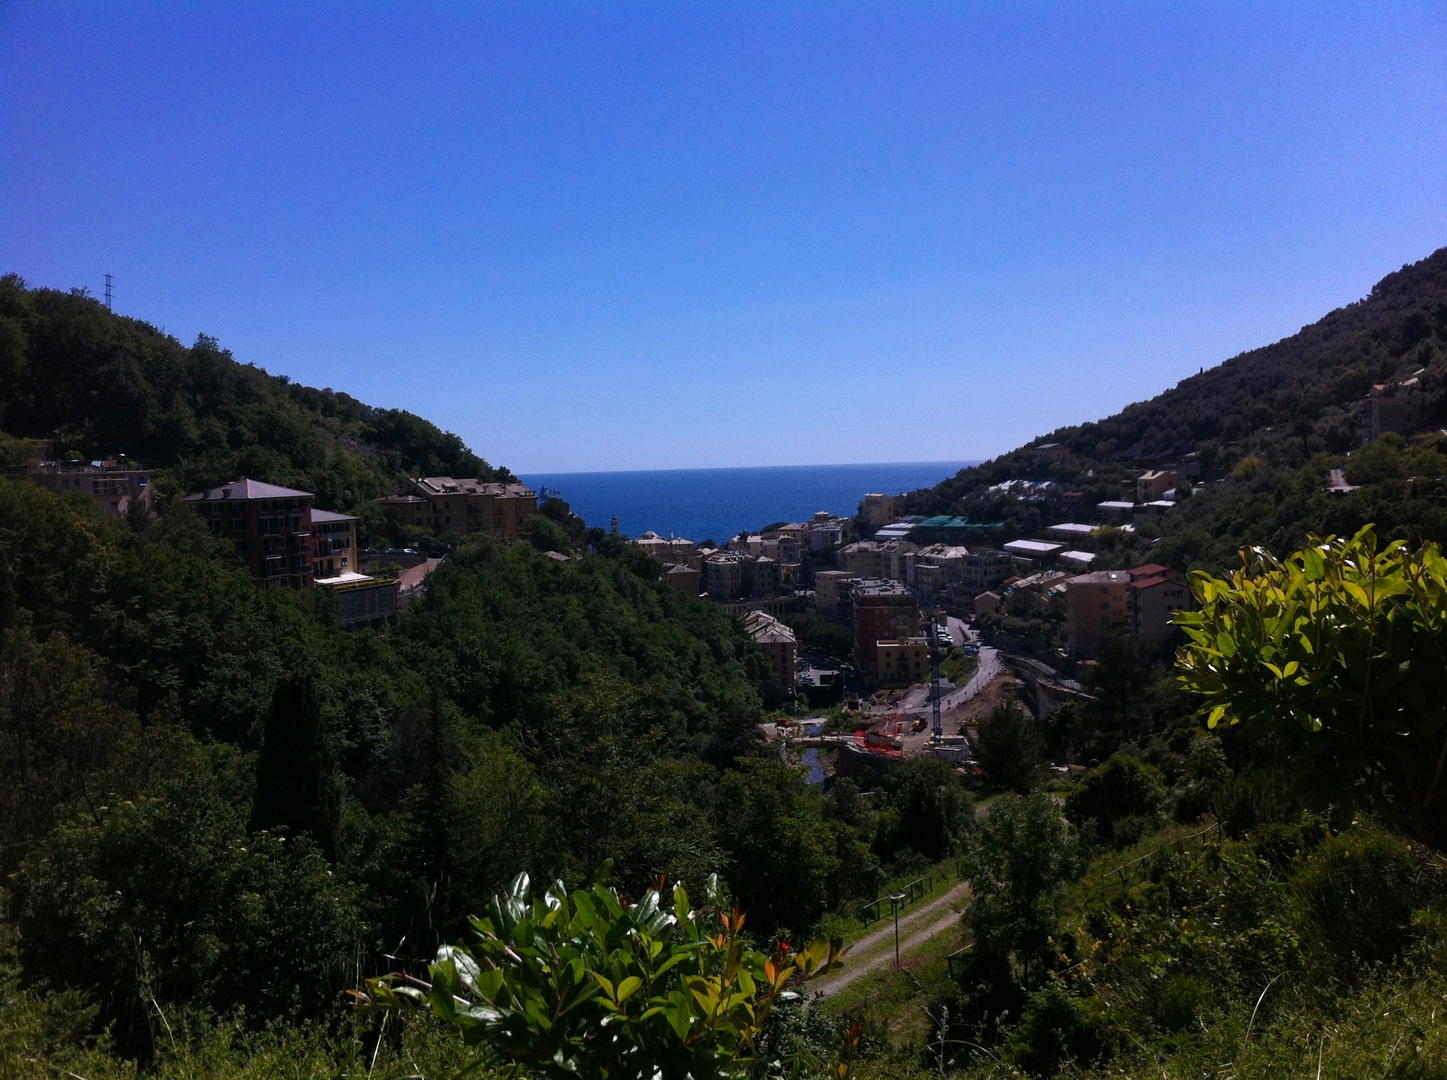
x=1339, y=652
x=1123, y=788
x=295, y=787
x=1010, y=748
x=1020, y=861
x=773, y=829
x=927, y=808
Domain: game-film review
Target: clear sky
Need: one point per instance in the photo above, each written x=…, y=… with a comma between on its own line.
x=640, y=235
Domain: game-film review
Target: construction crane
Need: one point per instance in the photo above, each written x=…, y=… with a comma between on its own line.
x=937, y=728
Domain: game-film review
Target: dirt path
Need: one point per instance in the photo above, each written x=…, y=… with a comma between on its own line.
x=876, y=949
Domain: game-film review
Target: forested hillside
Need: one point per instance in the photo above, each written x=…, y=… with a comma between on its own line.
x=219, y=811
x=1266, y=428
x=102, y=384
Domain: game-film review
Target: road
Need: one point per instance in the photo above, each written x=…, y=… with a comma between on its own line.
x=876, y=949
x=988, y=668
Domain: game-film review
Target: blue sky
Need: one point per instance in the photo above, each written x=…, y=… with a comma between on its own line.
x=668, y=235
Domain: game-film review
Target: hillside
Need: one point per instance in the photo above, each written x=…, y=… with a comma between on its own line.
x=102, y=384
x=1253, y=422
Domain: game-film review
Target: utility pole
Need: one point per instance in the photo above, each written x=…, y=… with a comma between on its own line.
x=895, y=899
x=109, y=279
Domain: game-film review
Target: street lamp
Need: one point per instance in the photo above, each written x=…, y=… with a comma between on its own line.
x=895, y=899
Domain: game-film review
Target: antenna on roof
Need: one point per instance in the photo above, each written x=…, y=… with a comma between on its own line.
x=109, y=279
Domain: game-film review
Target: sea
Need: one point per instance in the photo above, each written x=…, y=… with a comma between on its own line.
x=715, y=504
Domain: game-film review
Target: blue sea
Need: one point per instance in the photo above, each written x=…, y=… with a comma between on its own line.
x=715, y=504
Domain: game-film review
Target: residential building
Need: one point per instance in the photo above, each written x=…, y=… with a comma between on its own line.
x=1033, y=552
x=831, y=592
x=732, y=575
x=903, y=662
x=1157, y=593
x=116, y=484
x=872, y=558
x=1037, y=594
x=986, y=601
x=779, y=645
x=1152, y=486
x=683, y=579
x=825, y=532
x=881, y=611
x=450, y=504
x=1095, y=604
x=1047, y=454
x=1385, y=409
x=877, y=510
x=334, y=544
x=270, y=527
x=934, y=568
x=670, y=552
x=981, y=570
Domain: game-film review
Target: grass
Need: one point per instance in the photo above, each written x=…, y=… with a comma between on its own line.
x=851, y=927
x=957, y=667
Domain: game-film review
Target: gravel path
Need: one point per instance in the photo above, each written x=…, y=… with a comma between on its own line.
x=876, y=949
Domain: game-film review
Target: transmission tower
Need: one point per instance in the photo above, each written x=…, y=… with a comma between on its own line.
x=109, y=279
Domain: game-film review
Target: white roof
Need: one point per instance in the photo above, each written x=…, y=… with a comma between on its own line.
x=1115, y=504
x=1084, y=558
x=1072, y=528
x=1032, y=547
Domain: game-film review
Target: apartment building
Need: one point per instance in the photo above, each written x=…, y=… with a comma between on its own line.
x=935, y=567
x=831, y=592
x=1152, y=486
x=878, y=559
x=779, y=645
x=982, y=570
x=1157, y=593
x=269, y=526
x=734, y=575
x=117, y=485
x=880, y=611
x=877, y=510
x=450, y=504
x=1095, y=604
x=683, y=579
x=670, y=552
x=334, y=544
x=903, y=662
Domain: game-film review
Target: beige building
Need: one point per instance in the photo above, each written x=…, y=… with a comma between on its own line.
x=877, y=510
x=683, y=580
x=779, y=645
x=831, y=592
x=1095, y=604
x=1153, y=485
x=670, y=552
x=878, y=559
x=449, y=504
x=334, y=544
x=903, y=662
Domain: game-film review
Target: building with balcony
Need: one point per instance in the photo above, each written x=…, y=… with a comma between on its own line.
x=117, y=485
x=450, y=504
x=269, y=526
x=1095, y=604
x=880, y=611
x=903, y=662
x=779, y=645
x=334, y=544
